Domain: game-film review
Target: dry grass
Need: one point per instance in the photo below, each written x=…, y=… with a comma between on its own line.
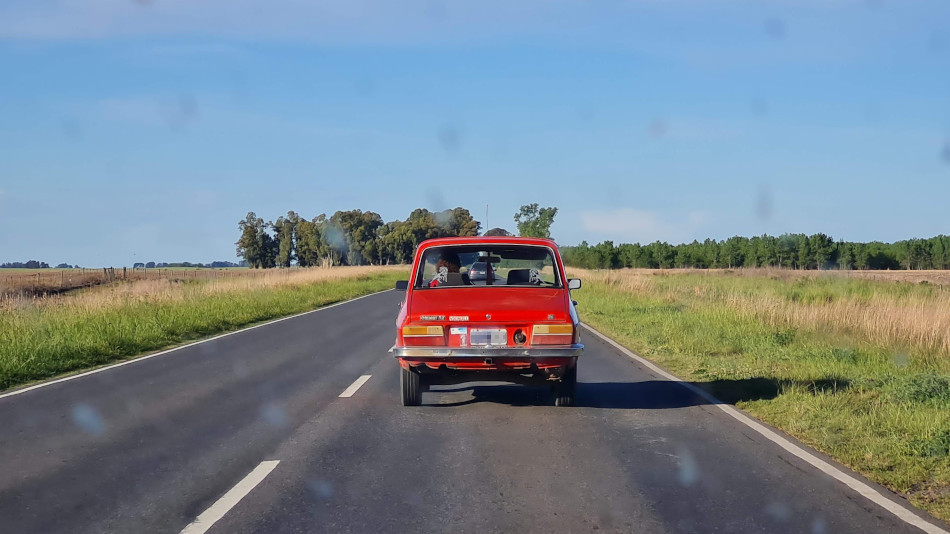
x=174, y=288
x=879, y=308
x=856, y=367
x=43, y=282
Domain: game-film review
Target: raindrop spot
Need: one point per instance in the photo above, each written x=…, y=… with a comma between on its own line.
x=689, y=471
x=778, y=511
x=274, y=415
x=321, y=488
x=775, y=28
x=88, y=419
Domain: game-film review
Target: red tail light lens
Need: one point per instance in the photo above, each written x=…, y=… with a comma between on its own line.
x=552, y=334
x=423, y=336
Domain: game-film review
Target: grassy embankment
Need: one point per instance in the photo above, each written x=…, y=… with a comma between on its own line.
x=42, y=338
x=859, y=369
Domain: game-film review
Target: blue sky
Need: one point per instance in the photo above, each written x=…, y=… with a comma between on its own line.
x=144, y=130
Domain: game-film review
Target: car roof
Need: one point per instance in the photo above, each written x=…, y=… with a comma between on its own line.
x=495, y=240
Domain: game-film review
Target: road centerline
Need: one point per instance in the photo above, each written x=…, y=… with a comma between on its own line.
x=216, y=511
x=348, y=392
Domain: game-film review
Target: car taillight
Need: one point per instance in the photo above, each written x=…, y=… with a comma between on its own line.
x=423, y=335
x=552, y=334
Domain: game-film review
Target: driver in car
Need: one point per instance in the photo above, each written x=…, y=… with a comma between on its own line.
x=448, y=263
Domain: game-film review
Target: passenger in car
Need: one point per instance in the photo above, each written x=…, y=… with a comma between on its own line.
x=447, y=271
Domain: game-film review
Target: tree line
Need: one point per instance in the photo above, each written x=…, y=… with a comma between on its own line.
x=353, y=237
x=188, y=264
x=791, y=251
x=357, y=237
x=32, y=264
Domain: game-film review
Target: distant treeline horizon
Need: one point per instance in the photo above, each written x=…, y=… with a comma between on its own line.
x=211, y=265
x=357, y=237
x=34, y=264
x=790, y=251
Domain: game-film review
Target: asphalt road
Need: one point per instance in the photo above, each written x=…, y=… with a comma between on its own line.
x=149, y=446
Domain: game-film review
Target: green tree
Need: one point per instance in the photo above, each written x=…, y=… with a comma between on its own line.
x=940, y=252
x=846, y=255
x=309, y=244
x=284, y=235
x=396, y=242
x=358, y=229
x=252, y=245
x=458, y=222
x=533, y=221
x=498, y=232
x=822, y=250
x=734, y=251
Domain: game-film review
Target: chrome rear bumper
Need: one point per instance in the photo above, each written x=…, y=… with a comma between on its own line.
x=487, y=352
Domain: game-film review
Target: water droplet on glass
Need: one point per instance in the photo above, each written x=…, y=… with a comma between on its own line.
x=657, y=128
x=321, y=488
x=689, y=471
x=274, y=415
x=88, y=419
x=778, y=511
x=901, y=360
x=775, y=28
x=449, y=138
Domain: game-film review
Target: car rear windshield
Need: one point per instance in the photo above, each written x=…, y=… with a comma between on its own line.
x=488, y=265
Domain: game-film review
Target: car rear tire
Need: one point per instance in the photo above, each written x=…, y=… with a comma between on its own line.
x=564, y=390
x=412, y=386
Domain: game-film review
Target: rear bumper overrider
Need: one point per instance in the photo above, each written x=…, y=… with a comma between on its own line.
x=488, y=352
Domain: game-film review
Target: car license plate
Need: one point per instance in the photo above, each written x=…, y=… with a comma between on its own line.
x=488, y=336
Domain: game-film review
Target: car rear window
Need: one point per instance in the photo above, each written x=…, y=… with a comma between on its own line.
x=488, y=265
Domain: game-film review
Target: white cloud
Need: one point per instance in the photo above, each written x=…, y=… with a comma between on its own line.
x=628, y=225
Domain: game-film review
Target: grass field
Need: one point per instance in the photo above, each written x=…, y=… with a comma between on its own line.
x=42, y=338
x=19, y=283
x=857, y=368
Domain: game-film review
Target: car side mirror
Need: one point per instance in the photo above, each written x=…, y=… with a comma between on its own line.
x=574, y=283
x=402, y=285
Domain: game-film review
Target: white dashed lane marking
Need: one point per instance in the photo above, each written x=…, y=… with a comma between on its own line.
x=348, y=392
x=217, y=510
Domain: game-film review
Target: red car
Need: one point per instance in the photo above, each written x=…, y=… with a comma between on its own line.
x=519, y=325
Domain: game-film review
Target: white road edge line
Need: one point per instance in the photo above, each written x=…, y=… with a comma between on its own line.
x=348, y=392
x=860, y=487
x=146, y=357
x=216, y=511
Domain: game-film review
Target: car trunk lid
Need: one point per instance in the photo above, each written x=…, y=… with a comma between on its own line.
x=498, y=305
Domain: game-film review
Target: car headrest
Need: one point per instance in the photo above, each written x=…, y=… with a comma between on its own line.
x=519, y=277
x=455, y=279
